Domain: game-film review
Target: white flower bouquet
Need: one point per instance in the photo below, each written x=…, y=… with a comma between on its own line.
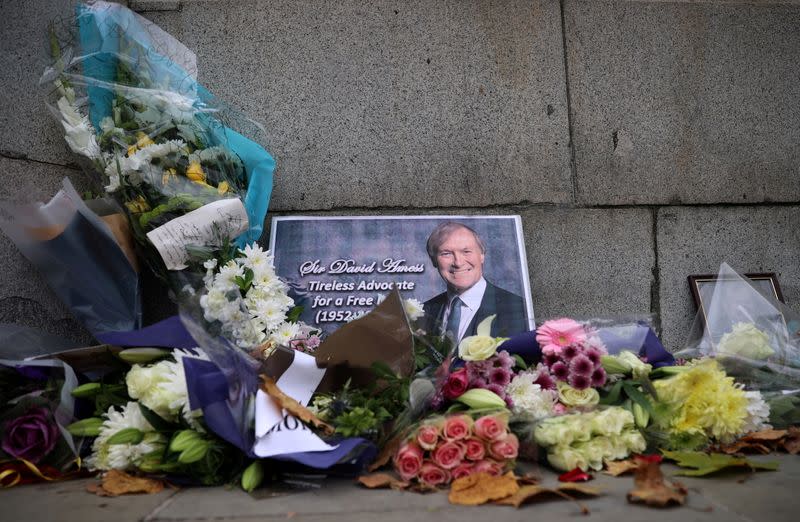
x=127, y=97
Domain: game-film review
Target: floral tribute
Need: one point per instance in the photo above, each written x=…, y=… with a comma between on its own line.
x=442, y=449
x=567, y=379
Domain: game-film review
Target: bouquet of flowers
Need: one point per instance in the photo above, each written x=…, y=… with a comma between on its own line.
x=442, y=449
x=126, y=95
x=146, y=423
x=36, y=406
x=586, y=440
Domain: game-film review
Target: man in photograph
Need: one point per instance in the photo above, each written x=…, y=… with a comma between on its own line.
x=458, y=254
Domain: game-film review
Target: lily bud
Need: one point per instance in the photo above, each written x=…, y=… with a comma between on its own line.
x=142, y=355
x=614, y=365
x=196, y=451
x=253, y=476
x=640, y=415
x=479, y=399
x=86, y=427
x=85, y=391
x=183, y=440
x=126, y=436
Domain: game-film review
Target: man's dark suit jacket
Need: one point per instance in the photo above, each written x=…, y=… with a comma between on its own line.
x=509, y=308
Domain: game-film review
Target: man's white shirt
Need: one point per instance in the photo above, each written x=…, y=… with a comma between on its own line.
x=471, y=299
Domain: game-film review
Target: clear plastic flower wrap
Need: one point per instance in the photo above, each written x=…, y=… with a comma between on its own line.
x=755, y=337
x=80, y=257
x=176, y=157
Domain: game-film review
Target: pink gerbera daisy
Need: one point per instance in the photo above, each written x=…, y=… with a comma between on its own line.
x=556, y=334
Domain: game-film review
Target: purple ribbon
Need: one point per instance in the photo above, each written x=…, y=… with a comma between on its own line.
x=526, y=346
x=169, y=333
x=208, y=389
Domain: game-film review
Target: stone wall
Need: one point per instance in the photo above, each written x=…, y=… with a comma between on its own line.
x=640, y=141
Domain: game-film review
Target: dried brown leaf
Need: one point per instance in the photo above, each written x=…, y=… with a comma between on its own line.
x=115, y=483
x=269, y=387
x=386, y=452
x=651, y=489
x=580, y=489
x=615, y=468
x=528, y=479
x=531, y=493
x=765, y=436
x=480, y=488
x=791, y=443
x=381, y=480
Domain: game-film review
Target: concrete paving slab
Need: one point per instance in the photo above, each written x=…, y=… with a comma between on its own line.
x=589, y=262
x=737, y=497
x=26, y=126
x=684, y=102
x=25, y=297
x=697, y=240
x=69, y=501
x=408, y=104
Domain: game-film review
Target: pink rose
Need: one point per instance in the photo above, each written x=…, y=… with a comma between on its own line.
x=433, y=475
x=428, y=436
x=505, y=449
x=491, y=428
x=408, y=460
x=449, y=454
x=457, y=427
x=457, y=383
x=488, y=466
x=462, y=470
x=475, y=449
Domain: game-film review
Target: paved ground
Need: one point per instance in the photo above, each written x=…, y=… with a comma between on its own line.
x=734, y=497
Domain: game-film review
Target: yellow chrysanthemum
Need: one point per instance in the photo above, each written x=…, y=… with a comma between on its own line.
x=138, y=205
x=195, y=172
x=703, y=400
x=142, y=141
x=223, y=187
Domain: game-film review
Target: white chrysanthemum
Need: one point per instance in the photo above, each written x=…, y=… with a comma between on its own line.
x=119, y=456
x=529, y=399
x=285, y=333
x=255, y=258
x=414, y=309
x=79, y=132
x=757, y=412
x=226, y=277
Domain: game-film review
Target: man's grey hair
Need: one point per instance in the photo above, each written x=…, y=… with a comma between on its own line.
x=440, y=235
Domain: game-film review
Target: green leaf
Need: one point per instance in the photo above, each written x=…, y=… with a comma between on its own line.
x=383, y=371
x=294, y=314
x=638, y=397
x=705, y=464
x=613, y=395
x=520, y=362
x=156, y=421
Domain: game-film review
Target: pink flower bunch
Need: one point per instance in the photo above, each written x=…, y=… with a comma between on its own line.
x=571, y=353
x=493, y=374
x=442, y=450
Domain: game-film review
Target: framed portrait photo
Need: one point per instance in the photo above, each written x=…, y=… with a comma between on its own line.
x=340, y=267
x=703, y=286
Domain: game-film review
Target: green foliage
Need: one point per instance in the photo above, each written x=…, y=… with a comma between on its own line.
x=701, y=464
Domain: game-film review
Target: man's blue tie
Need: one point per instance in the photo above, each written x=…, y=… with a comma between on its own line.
x=454, y=320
